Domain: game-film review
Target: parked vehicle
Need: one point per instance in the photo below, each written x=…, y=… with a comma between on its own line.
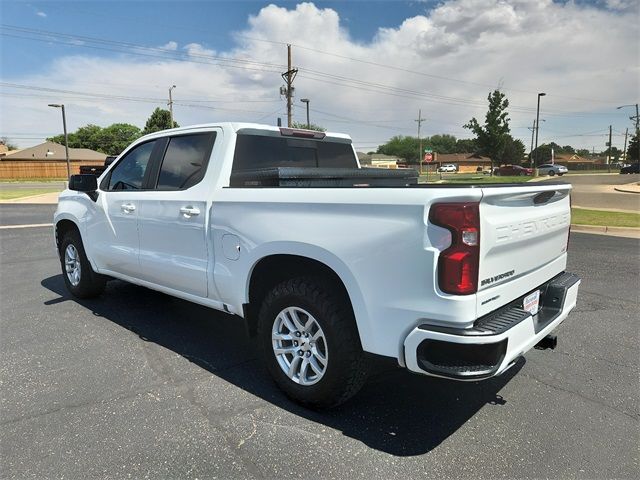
x=513, y=170
x=97, y=170
x=633, y=168
x=552, y=169
x=325, y=261
x=447, y=168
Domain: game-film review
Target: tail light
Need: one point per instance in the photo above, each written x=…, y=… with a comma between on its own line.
x=458, y=264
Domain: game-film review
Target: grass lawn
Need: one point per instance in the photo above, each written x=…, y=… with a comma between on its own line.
x=472, y=178
x=582, y=216
x=11, y=194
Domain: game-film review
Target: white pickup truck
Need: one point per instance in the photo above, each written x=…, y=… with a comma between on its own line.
x=252, y=220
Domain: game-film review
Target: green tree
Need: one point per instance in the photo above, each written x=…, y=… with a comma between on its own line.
x=513, y=152
x=160, y=119
x=542, y=154
x=85, y=137
x=110, y=140
x=116, y=137
x=633, y=150
x=466, y=145
x=492, y=136
x=311, y=126
x=403, y=147
x=441, y=143
x=7, y=143
x=583, y=152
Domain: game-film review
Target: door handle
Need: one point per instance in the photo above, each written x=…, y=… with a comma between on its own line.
x=128, y=207
x=189, y=211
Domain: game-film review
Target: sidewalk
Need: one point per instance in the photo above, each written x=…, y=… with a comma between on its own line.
x=40, y=199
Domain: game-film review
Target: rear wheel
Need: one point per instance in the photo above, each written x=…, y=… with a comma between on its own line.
x=78, y=275
x=310, y=343
x=552, y=173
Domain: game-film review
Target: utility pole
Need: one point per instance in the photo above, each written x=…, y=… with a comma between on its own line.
x=420, y=120
x=624, y=151
x=609, y=152
x=171, y=105
x=306, y=100
x=288, y=77
x=66, y=138
x=538, y=124
x=533, y=131
x=637, y=121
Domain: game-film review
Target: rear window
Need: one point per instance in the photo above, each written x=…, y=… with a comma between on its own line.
x=255, y=151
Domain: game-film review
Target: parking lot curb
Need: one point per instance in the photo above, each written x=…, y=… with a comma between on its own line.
x=628, y=188
x=628, y=232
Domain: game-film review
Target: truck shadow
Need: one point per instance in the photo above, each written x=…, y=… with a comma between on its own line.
x=396, y=412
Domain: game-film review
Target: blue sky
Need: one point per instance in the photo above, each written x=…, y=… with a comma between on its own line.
x=152, y=23
x=367, y=66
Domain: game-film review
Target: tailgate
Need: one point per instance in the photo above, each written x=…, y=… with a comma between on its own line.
x=523, y=240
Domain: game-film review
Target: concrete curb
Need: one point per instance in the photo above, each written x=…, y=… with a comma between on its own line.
x=628, y=188
x=628, y=232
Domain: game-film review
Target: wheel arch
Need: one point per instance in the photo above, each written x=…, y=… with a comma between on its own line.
x=62, y=226
x=273, y=269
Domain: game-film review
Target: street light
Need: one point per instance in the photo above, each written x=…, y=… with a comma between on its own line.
x=637, y=119
x=306, y=100
x=171, y=105
x=66, y=139
x=538, y=126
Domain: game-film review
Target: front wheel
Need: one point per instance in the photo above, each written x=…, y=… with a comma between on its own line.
x=551, y=173
x=78, y=275
x=310, y=343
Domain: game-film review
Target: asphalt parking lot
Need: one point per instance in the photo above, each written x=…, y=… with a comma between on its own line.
x=597, y=191
x=139, y=384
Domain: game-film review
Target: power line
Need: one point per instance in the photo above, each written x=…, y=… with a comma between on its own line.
x=155, y=52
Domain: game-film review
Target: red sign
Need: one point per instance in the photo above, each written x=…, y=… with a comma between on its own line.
x=428, y=157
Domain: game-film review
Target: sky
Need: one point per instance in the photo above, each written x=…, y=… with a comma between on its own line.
x=367, y=67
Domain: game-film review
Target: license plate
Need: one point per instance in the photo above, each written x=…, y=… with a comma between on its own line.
x=532, y=302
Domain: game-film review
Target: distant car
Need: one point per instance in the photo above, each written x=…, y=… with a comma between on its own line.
x=447, y=168
x=513, y=170
x=552, y=169
x=633, y=168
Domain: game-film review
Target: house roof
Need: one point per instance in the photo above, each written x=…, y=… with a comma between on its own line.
x=56, y=152
x=573, y=158
x=461, y=158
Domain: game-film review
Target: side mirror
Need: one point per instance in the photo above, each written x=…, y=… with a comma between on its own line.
x=86, y=183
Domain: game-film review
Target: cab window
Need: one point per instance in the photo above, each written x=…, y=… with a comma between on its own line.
x=128, y=174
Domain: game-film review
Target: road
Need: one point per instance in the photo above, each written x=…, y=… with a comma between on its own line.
x=139, y=384
x=32, y=185
x=596, y=191
x=26, y=214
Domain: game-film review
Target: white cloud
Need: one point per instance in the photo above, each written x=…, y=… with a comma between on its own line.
x=172, y=46
x=584, y=58
x=41, y=14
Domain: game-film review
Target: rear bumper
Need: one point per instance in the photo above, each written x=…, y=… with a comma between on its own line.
x=495, y=341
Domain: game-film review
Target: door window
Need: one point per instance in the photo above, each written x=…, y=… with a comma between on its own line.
x=128, y=174
x=185, y=161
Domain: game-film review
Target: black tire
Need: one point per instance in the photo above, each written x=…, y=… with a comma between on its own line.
x=345, y=371
x=560, y=174
x=90, y=284
x=552, y=173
